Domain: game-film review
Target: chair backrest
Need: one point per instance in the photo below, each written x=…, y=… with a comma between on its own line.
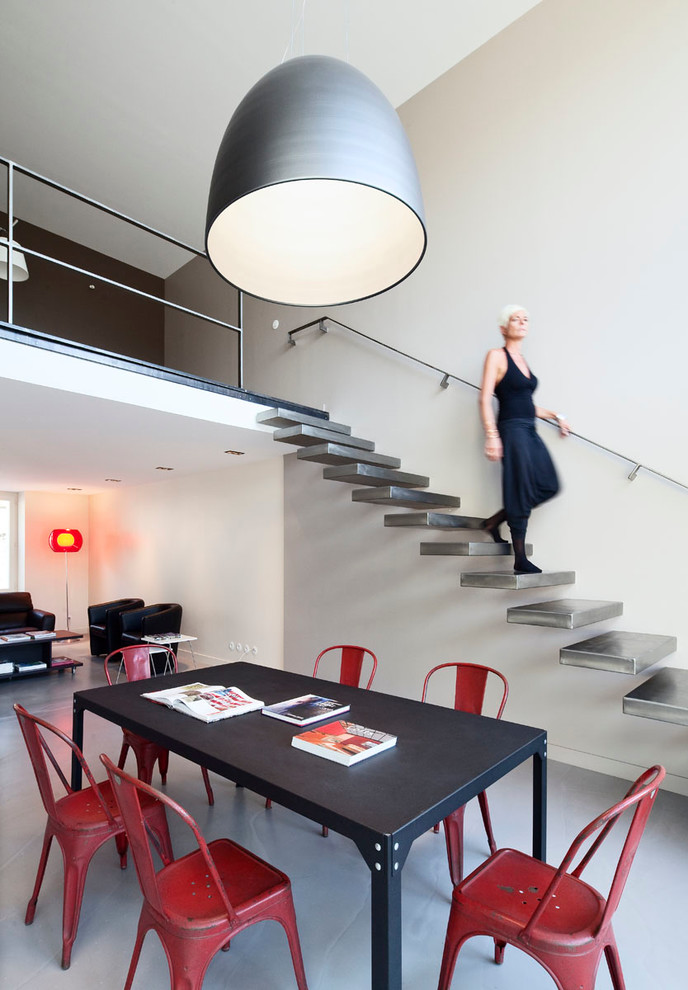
x=136, y=662
x=351, y=664
x=469, y=686
x=38, y=736
x=642, y=793
x=128, y=791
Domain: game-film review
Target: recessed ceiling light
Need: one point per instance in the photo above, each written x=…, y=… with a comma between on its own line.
x=238, y=453
x=164, y=469
x=116, y=480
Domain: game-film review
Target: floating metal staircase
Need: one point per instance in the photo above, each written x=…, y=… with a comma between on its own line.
x=354, y=461
x=340, y=453
x=564, y=613
x=406, y=498
x=515, y=582
x=625, y=652
x=433, y=520
x=483, y=548
x=663, y=697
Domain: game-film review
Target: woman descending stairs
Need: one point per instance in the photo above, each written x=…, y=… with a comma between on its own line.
x=353, y=461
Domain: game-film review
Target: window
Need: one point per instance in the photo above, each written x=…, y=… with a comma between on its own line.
x=8, y=541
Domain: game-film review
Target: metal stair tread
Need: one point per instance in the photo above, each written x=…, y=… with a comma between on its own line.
x=339, y=453
x=405, y=497
x=479, y=548
x=433, y=520
x=516, y=582
x=281, y=418
x=369, y=474
x=663, y=697
x=620, y=651
x=309, y=436
x=564, y=613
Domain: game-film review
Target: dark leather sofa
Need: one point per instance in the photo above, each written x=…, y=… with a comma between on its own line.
x=149, y=621
x=17, y=614
x=104, y=625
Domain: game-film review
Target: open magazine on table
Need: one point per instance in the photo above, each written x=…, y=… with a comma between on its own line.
x=305, y=709
x=344, y=742
x=208, y=702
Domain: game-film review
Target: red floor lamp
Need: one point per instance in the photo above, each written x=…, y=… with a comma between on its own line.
x=66, y=541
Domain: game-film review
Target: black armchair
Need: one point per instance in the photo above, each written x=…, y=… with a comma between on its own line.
x=17, y=614
x=150, y=621
x=104, y=625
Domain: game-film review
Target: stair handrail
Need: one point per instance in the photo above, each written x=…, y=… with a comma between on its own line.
x=448, y=376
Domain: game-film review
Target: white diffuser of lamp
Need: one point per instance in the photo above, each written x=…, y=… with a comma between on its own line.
x=20, y=272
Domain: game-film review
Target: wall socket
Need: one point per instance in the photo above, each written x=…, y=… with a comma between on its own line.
x=243, y=648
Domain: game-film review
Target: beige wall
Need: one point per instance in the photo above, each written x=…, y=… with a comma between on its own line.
x=552, y=162
x=213, y=542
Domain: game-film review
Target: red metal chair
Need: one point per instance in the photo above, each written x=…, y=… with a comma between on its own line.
x=136, y=661
x=197, y=903
x=469, y=696
x=350, y=670
x=350, y=664
x=549, y=912
x=81, y=821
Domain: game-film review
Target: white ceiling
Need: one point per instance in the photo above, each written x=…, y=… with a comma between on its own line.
x=126, y=102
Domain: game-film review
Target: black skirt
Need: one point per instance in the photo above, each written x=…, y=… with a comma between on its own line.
x=529, y=477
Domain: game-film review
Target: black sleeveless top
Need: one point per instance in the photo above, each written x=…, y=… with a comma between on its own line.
x=515, y=392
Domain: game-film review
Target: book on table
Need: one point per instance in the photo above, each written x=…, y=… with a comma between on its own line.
x=208, y=702
x=305, y=709
x=14, y=638
x=344, y=742
x=42, y=634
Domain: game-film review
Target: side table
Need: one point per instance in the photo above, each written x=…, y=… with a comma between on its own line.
x=167, y=639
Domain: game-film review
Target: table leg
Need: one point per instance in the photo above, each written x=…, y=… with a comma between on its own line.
x=78, y=737
x=540, y=804
x=385, y=862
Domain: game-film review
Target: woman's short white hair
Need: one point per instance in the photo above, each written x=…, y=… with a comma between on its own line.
x=508, y=312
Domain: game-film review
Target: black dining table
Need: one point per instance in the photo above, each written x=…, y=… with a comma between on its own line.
x=442, y=759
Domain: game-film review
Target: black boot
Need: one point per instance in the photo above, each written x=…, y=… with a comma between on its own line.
x=521, y=563
x=491, y=526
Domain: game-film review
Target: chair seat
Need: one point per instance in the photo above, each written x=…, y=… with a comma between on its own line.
x=82, y=811
x=510, y=886
x=247, y=880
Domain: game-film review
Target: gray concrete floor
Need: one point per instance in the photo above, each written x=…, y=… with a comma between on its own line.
x=330, y=880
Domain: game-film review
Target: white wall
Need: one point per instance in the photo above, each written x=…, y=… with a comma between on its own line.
x=213, y=542
x=552, y=162
x=44, y=570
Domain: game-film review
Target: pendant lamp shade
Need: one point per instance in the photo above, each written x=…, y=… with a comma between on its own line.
x=20, y=272
x=315, y=198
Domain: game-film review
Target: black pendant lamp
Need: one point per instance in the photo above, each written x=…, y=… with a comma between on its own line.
x=315, y=198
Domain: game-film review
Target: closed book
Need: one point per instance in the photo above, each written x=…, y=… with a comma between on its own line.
x=29, y=666
x=344, y=742
x=308, y=708
x=207, y=702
